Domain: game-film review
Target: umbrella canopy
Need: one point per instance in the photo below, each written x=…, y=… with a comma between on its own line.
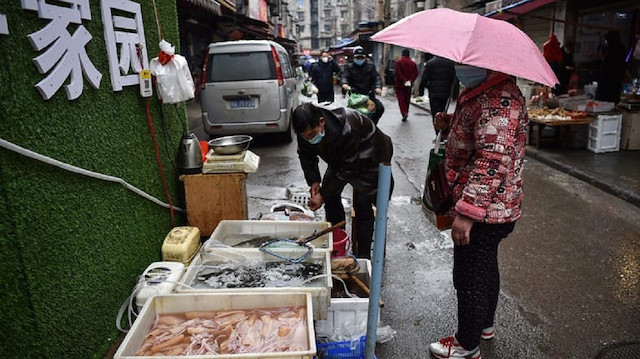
x=471, y=39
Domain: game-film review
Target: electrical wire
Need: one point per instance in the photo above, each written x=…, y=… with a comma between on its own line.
x=155, y=10
x=81, y=171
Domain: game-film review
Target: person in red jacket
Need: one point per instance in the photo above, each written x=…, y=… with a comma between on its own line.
x=406, y=73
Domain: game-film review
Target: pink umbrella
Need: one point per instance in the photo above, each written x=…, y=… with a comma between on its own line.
x=471, y=39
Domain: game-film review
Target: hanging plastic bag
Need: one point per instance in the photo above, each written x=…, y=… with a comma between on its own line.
x=173, y=76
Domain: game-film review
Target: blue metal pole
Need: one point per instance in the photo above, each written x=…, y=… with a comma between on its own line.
x=382, y=203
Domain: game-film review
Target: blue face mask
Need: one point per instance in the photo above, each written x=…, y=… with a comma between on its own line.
x=470, y=76
x=317, y=138
x=359, y=62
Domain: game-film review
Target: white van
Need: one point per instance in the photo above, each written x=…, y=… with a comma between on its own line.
x=249, y=87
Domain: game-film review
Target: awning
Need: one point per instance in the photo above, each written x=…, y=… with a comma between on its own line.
x=343, y=43
x=505, y=11
x=209, y=5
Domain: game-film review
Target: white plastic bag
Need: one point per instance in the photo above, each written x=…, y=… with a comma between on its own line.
x=174, y=80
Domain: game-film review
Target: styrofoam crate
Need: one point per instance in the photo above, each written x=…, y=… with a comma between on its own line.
x=345, y=313
x=604, y=133
x=178, y=303
x=319, y=288
x=232, y=232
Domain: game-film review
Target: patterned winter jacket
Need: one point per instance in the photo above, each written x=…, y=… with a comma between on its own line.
x=485, y=151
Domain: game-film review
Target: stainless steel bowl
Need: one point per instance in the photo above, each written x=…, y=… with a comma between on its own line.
x=230, y=145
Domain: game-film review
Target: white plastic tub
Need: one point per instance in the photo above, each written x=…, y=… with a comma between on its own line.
x=179, y=303
x=319, y=288
x=230, y=233
x=346, y=314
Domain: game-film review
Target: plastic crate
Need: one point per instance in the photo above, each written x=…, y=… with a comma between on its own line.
x=344, y=312
x=604, y=134
x=232, y=232
x=177, y=303
x=320, y=288
x=342, y=350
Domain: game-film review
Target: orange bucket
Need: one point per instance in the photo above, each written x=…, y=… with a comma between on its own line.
x=341, y=241
x=204, y=148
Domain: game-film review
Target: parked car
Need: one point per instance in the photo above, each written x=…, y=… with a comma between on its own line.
x=249, y=88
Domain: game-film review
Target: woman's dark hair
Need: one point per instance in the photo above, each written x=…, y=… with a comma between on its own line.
x=305, y=116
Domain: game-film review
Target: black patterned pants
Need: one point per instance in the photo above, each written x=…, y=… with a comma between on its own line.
x=477, y=280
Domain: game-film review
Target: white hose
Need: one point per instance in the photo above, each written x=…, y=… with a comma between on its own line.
x=67, y=167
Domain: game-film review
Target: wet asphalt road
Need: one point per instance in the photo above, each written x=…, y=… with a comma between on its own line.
x=570, y=271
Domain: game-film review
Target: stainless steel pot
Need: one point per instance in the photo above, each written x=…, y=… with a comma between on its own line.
x=189, y=155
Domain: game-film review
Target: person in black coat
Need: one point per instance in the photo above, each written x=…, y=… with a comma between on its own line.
x=612, y=69
x=363, y=78
x=321, y=75
x=353, y=147
x=438, y=77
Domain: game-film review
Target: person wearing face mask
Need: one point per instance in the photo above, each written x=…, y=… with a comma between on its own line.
x=352, y=147
x=362, y=77
x=484, y=157
x=321, y=75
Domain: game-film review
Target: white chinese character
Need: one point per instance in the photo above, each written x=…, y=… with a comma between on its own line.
x=4, y=27
x=65, y=55
x=127, y=33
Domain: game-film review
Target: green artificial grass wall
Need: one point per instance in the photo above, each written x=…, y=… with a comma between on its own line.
x=72, y=246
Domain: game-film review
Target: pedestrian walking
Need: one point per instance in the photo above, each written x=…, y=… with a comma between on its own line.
x=361, y=76
x=353, y=147
x=438, y=77
x=484, y=159
x=321, y=74
x=406, y=73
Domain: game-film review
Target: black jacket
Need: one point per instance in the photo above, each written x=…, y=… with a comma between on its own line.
x=362, y=79
x=438, y=76
x=352, y=147
x=322, y=75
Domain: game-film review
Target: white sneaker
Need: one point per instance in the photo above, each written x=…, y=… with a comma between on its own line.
x=449, y=348
x=487, y=333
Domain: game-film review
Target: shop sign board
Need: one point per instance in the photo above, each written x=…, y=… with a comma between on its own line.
x=62, y=55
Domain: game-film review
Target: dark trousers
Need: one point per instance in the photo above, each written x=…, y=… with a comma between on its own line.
x=325, y=96
x=403, y=93
x=365, y=220
x=477, y=280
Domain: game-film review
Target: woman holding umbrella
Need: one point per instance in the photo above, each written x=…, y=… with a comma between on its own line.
x=484, y=157
x=484, y=154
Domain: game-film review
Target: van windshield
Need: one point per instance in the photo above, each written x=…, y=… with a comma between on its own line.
x=241, y=66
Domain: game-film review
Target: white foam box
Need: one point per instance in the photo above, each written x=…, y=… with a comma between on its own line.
x=319, y=288
x=232, y=232
x=604, y=133
x=179, y=303
x=343, y=313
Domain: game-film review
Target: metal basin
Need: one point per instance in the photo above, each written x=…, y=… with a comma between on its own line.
x=230, y=145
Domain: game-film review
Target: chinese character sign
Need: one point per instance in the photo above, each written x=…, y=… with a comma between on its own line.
x=65, y=56
x=4, y=27
x=125, y=32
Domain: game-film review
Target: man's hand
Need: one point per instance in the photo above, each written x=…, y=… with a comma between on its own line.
x=461, y=229
x=315, y=202
x=442, y=121
x=345, y=87
x=378, y=91
x=315, y=189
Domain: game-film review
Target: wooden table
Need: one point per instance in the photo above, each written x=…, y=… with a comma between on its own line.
x=540, y=124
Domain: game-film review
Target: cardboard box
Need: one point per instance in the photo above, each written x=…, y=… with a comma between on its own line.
x=630, y=135
x=211, y=198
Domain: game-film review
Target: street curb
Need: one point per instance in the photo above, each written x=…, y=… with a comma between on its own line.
x=611, y=188
x=420, y=106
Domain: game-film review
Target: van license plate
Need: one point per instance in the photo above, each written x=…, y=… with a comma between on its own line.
x=244, y=103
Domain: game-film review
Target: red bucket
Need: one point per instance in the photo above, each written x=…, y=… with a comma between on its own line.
x=341, y=241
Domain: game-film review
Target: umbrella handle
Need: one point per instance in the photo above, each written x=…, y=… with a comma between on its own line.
x=321, y=233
